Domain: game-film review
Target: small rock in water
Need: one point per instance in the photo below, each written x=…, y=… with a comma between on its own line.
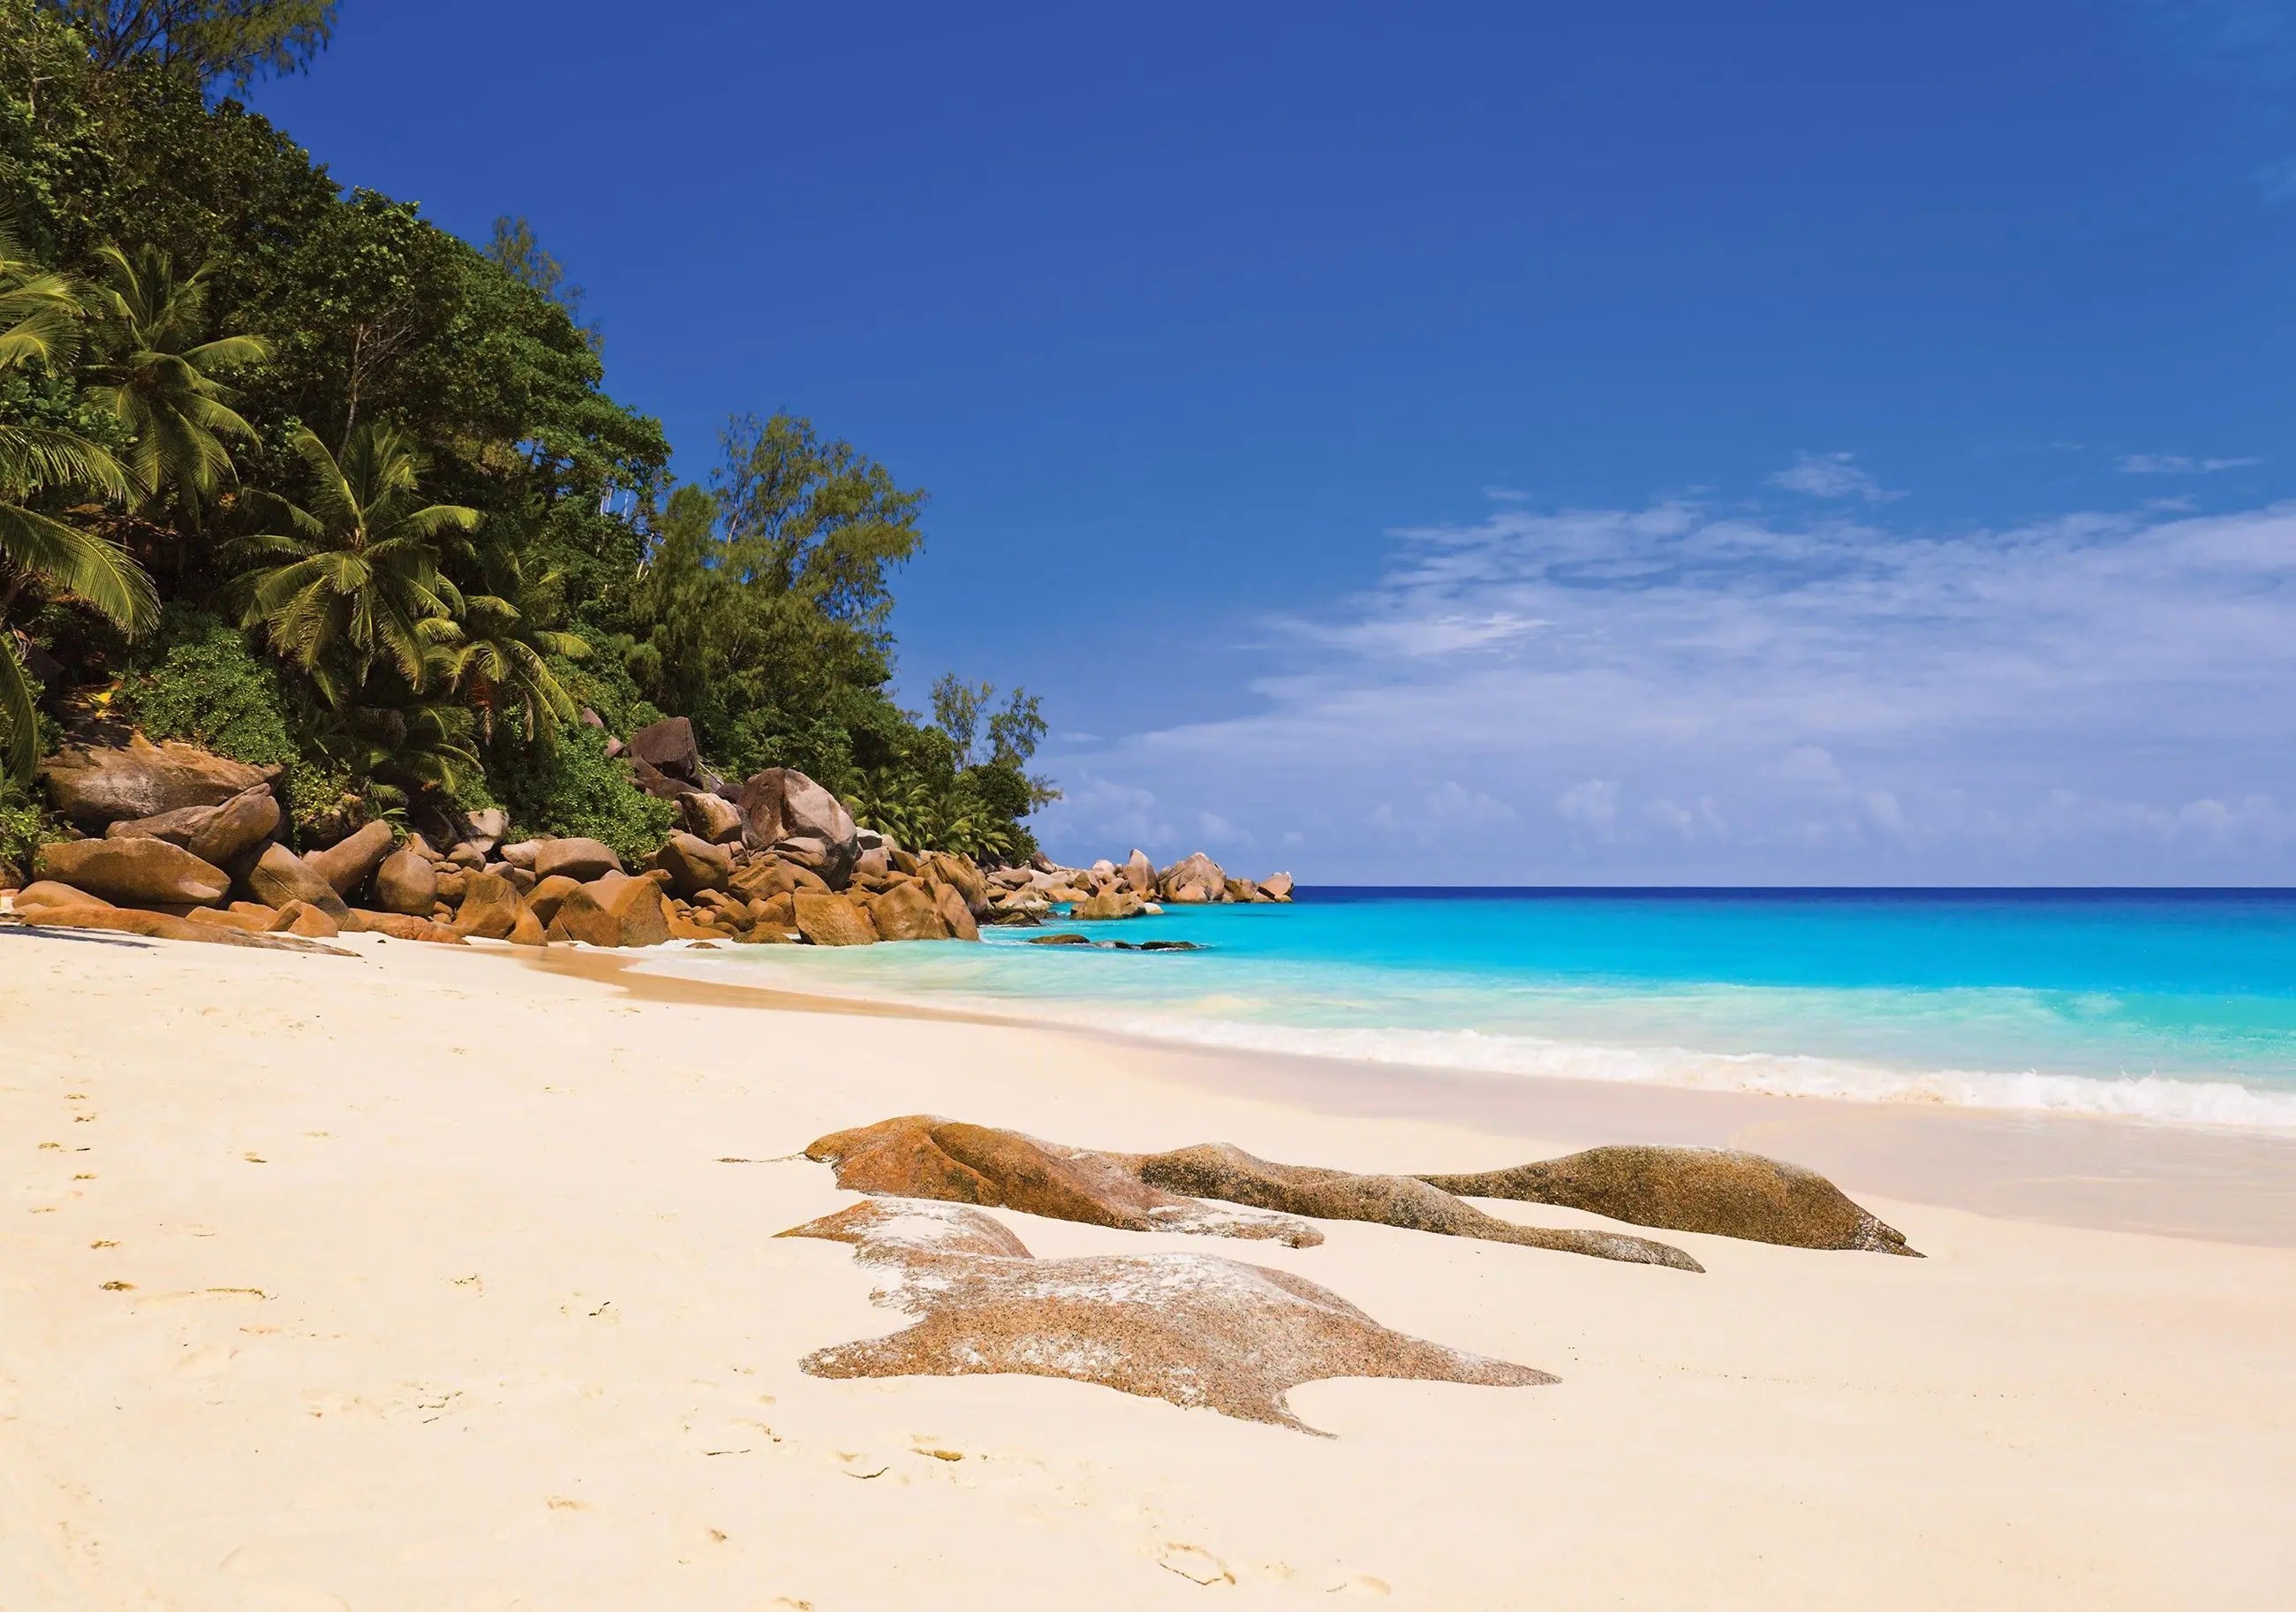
x=1065, y=938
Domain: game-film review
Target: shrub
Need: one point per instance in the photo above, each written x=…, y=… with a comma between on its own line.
x=24, y=827
x=573, y=788
x=200, y=679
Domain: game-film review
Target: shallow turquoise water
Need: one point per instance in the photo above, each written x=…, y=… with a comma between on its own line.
x=2177, y=1006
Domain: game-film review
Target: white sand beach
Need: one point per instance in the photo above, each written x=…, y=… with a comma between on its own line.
x=438, y=1279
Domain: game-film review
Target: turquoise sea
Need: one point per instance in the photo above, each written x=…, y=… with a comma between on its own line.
x=2173, y=1006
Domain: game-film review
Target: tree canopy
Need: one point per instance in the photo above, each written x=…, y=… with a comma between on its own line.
x=374, y=475
x=232, y=42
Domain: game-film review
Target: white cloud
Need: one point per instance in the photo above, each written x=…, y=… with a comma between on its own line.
x=1834, y=475
x=2178, y=464
x=1592, y=805
x=1706, y=697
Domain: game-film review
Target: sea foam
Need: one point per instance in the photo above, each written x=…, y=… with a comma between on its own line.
x=2156, y=1097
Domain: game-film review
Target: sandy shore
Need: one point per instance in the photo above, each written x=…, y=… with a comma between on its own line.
x=437, y=1279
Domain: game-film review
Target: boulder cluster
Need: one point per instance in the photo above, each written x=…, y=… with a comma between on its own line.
x=185, y=844
x=1135, y=888
x=1235, y=1337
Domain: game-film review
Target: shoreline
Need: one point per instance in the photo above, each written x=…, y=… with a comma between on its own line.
x=414, y=1279
x=2103, y=1171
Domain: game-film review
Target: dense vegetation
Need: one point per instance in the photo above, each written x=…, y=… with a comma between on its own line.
x=295, y=473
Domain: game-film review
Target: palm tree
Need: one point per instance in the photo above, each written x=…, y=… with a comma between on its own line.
x=40, y=315
x=354, y=580
x=159, y=378
x=500, y=643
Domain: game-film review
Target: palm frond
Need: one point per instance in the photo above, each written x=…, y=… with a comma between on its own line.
x=94, y=569
x=19, y=722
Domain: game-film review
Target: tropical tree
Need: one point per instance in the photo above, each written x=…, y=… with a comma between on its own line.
x=231, y=41
x=40, y=315
x=498, y=650
x=159, y=377
x=353, y=581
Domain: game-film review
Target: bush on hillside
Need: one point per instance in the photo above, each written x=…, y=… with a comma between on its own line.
x=199, y=679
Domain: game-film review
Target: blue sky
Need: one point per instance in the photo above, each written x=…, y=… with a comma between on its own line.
x=1658, y=443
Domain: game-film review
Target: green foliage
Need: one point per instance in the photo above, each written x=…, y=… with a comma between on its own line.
x=43, y=465
x=232, y=42
x=350, y=584
x=574, y=787
x=201, y=679
x=159, y=378
x=389, y=454
x=25, y=825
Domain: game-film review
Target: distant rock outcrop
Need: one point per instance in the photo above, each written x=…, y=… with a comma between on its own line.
x=1708, y=1189
x=1185, y=1327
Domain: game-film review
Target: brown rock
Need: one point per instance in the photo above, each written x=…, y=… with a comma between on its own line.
x=774, y=911
x=528, y=930
x=956, y=914
x=1216, y=1169
x=711, y=818
x=1108, y=904
x=669, y=748
x=832, y=920
x=94, y=786
x=948, y=868
x=612, y=913
x=693, y=864
x=452, y=881
x=786, y=811
x=246, y=922
x=1241, y=890
x=301, y=917
x=1185, y=1327
x=1277, y=887
x=490, y=907
x=522, y=853
x=1722, y=1193
x=920, y=1155
x=407, y=882
x=133, y=872
x=723, y=908
x=163, y=927
x=1194, y=880
x=907, y=912
x=236, y=828
x=547, y=893
x=768, y=875
x=350, y=863
x=1139, y=874
x=176, y=826
x=582, y=859
x=50, y=892
x=278, y=876
x=402, y=926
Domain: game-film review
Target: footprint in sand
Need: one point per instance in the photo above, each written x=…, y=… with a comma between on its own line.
x=1195, y=1564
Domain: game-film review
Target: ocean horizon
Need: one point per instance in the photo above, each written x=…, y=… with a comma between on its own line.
x=2175, y=1005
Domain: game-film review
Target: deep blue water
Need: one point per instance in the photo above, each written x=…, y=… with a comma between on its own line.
x=2174, y=1004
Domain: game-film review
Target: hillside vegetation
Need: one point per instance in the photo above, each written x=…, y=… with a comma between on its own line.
x=289, y=471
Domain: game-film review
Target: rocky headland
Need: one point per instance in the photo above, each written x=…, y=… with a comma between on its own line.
x=176, y=842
